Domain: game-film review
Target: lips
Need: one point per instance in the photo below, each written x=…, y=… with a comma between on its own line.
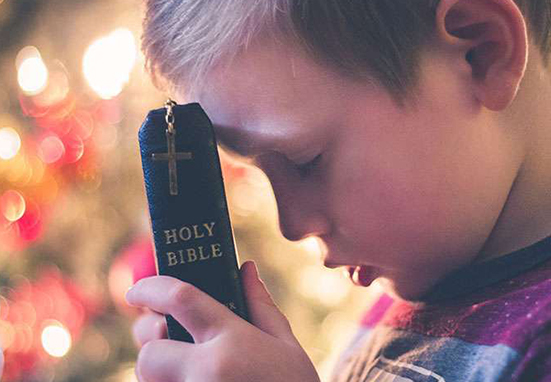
x=361, y=275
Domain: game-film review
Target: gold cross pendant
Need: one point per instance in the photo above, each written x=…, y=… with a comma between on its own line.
x=172, y=156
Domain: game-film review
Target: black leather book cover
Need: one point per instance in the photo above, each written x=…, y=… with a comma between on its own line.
x=191, y=230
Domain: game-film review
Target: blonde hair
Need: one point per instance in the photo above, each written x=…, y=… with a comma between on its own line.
x=184, y=39
x=376, y=39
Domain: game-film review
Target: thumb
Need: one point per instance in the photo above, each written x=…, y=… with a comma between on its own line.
x=263, y=312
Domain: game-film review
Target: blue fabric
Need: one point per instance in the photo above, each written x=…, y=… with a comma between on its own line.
x=409, y=356
x=479, y=275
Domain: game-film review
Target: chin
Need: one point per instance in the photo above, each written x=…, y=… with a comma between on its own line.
x=398, y=285
x=409, y=290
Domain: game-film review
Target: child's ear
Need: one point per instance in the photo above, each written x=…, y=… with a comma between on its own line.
x=491, y=35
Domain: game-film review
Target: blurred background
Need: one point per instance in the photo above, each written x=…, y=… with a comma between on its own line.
x=74, y=229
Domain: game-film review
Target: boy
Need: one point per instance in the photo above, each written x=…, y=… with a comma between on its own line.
x=414, y=139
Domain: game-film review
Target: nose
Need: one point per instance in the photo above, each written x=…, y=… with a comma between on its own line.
x=296, y=220
x=299, y=201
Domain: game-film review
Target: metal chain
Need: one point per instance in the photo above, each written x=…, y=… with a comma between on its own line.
x=169, y=117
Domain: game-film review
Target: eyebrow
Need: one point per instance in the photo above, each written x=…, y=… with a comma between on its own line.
x=246, y=143
x=232, y=152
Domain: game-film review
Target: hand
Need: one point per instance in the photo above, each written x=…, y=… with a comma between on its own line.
x=1, y=363
x=227, y=348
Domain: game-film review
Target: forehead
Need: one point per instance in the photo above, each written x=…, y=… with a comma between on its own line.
x=273, y=87
x=273, y=73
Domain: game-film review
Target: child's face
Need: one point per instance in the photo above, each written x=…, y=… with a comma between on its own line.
x=409, y=194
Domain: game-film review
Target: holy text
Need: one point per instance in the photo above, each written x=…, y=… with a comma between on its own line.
x=193, y=253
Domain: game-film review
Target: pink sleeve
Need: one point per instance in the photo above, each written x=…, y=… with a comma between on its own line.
x=536, y=363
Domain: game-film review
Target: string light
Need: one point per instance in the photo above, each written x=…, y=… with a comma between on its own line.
x=51, y=149
x=63, y=137
x=7, y=334
x=10, y=143
x=57, y=88
x=128, y=375
x=12, y=205
x=108, y=62
x=56, y=339
x=30, y=225
x=32, y=74
x=74, y=148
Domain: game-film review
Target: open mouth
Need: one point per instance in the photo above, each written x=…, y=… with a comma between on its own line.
x=362, y=275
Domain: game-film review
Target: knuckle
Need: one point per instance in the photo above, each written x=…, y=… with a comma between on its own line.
x=137, y=333
x=147, y=328
x=144, y=359
x=160, y=328
x=182, y=293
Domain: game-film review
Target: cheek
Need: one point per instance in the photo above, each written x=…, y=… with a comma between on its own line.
x=419, y=199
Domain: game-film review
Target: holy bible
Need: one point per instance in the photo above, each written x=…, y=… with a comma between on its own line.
x=187, y=204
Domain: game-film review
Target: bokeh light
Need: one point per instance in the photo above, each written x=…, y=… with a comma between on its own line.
x=56, y=89
x=97, y=346
x=37, y=168
x=108, y=62
x=70, y=168
x=326, y=286
x=51, y=149
x=12, y=205
x=74, y=148
x=10, y=143
x=120, y=280
x=314, y=247
x=7, y=334
x=32, y=74
x=83, y=124
x=30, y=225
x=23, y=337
x=56, y=339
x=129, y=375
x=15, y=169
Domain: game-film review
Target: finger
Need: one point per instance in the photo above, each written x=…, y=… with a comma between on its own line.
x=1, y=362
x=149, y=327
x=163, y=361
x=263, y=311
x=200, y=314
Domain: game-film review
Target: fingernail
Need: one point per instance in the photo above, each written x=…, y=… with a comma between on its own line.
x=129, y=293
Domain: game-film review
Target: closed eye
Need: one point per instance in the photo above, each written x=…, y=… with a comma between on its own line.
x=234, y=154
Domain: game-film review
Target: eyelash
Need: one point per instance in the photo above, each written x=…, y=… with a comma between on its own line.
x=306, y=168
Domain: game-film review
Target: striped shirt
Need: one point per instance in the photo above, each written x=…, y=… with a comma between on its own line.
x=487, y=322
